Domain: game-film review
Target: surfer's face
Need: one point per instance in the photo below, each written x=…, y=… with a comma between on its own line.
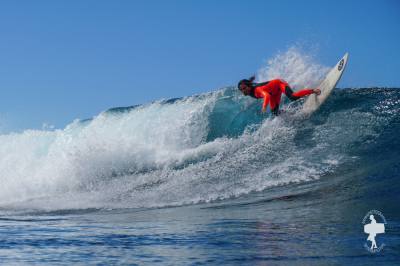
x=245, y=89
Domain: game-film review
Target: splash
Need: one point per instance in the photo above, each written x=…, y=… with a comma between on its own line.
x=295, y=66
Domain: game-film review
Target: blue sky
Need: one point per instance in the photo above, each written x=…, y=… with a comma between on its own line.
x=62, y=60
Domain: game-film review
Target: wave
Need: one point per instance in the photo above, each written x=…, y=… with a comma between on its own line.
x=195, y=149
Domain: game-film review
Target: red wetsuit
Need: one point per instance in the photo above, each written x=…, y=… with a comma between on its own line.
x=272, y=91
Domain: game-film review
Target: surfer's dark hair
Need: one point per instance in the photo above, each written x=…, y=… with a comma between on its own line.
x=247, y=82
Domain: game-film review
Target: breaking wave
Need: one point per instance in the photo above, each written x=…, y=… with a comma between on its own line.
x=195, y=149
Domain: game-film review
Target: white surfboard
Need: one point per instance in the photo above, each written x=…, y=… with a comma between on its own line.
x=314, y=101
x=376, y=228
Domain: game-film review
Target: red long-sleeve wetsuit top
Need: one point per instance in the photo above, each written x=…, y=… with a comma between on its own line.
x=272, y=91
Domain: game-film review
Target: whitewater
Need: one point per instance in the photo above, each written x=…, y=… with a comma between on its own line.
x=194, y=149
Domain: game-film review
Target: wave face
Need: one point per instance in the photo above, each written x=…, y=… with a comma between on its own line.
x=198, y=149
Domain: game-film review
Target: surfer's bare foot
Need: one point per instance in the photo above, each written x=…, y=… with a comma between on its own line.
x=317, y=91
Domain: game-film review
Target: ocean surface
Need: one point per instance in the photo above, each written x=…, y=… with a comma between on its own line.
x=207, y=180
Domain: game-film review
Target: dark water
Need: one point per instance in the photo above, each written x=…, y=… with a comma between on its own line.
x=239, y=189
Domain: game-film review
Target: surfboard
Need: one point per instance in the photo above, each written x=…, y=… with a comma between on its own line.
x=314, y=101
x=376, y=228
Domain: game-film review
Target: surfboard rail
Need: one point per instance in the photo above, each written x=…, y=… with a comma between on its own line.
x=313, y=102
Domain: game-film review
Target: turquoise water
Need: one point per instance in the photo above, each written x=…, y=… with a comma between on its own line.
x=206, y=180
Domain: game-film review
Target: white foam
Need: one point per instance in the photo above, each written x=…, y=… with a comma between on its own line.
x=297, y=67
x=156, y=155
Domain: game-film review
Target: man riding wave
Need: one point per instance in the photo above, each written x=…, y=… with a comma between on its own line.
x=271, y=91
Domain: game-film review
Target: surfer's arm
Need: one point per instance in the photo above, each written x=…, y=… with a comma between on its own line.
x=266, y=101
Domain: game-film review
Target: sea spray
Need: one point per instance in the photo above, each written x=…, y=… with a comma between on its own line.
x=195, y=149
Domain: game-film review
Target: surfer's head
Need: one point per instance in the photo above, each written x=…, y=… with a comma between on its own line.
x=246, y=85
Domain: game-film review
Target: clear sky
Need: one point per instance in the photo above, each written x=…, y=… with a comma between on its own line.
x=62, y=60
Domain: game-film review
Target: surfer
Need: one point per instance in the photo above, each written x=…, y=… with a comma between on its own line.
x=372, y=234
x=272, y=91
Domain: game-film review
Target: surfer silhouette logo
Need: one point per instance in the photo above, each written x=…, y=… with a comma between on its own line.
x=373, y=228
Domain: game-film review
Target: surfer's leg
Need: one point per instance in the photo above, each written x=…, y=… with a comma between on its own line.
x=293, y=96
x=274, y=102
x=303, y=93
x=275, y=111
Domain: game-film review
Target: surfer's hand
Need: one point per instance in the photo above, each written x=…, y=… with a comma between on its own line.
x=317, y=91
x=264, y=109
